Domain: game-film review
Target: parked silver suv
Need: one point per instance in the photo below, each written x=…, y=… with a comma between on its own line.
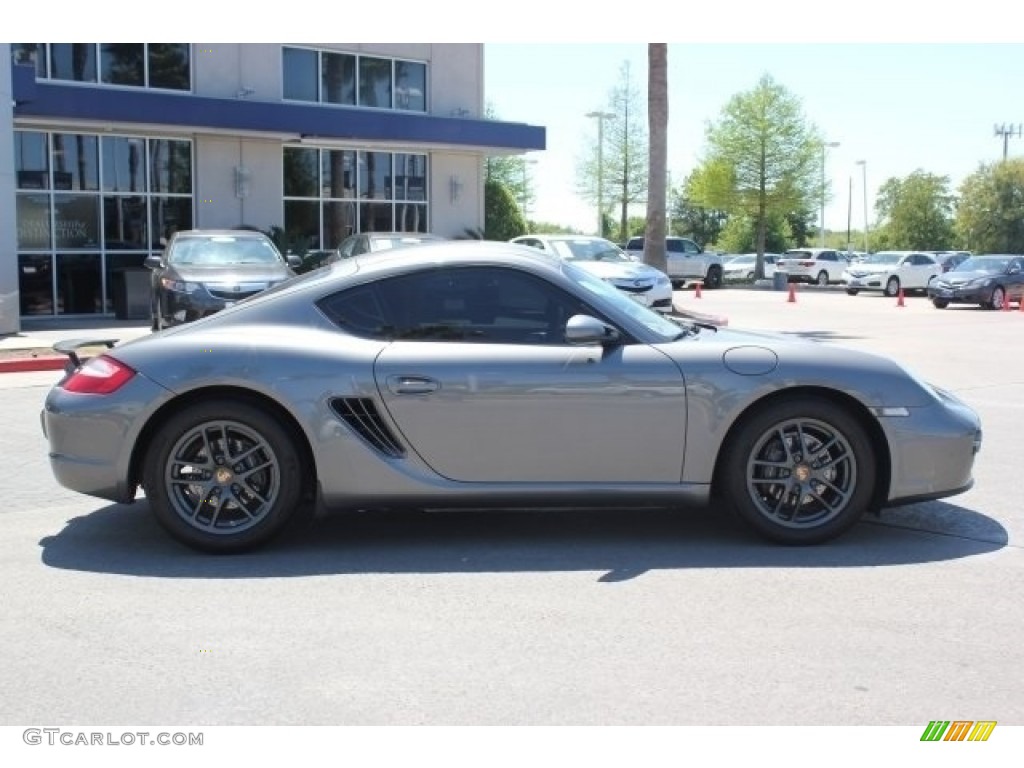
x=685, y=261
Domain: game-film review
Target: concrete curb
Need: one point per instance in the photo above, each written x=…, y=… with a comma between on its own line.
x=32, y=363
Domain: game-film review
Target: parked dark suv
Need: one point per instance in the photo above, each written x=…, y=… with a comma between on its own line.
x=203, y=271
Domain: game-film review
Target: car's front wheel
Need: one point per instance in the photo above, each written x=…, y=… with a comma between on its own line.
x=852, y=291
x=799, y=471
x=223, y=476
x=892, y=286
x=714, y=277
x=940, y=303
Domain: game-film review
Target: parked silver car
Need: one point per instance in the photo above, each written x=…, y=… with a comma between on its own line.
x=487, y=374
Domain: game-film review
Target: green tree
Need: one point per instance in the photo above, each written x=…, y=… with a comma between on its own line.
x=613, y=170
x=512, y=171
x=740, y=234
x=502, y=218
x=763, y=159
x=688, y=219
x=915, y=213
x=990, y=214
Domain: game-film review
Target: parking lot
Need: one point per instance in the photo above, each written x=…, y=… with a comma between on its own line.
x=540, y=617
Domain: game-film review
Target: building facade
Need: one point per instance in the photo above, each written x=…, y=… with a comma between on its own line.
x=108, y=148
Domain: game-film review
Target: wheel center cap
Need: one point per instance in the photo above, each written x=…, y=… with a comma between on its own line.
x=802, y=473
x=223, y=475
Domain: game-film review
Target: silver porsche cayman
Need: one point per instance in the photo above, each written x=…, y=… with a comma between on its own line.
x=474, y=374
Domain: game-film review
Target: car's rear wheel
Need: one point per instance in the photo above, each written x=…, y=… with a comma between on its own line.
x=714, y=278
x=892, y=286
x=798, y=471
x=822, y=278
x=940, y=303
x=223, y=476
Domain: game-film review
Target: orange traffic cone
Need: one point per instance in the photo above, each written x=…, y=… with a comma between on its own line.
x=1006, y=303
x=792, y=294
x=1020, y=304
x=697, y=294
x=899, y=300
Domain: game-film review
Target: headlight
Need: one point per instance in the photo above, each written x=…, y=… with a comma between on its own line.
x=980, y=281
x=663, y=281
x=180, y=286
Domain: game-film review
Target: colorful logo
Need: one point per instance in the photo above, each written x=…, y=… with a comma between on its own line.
x=958, y=730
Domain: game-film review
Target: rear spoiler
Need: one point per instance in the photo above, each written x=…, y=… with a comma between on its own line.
x=70, y=348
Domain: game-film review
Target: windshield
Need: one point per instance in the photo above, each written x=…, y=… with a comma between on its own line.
x=983, y=264
x=223, y=250
x=588, y=250
x=649, y=318
x=881, y=258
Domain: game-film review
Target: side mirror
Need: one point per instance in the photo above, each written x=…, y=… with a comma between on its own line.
x=293, y=260
x=584, y=329
x=153, y=262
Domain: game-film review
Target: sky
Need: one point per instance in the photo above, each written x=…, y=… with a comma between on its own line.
x=899, y=106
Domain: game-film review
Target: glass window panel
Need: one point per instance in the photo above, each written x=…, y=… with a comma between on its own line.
x=75, y=161
x=410, y=177
x=375, y=217
x=411, y=217
x=125, y=223
x=170, y=66
x=300, y=77
x=76, y=221
x=411, y=86
x=168, y=215
x=300, y=172
x=374, y=82
x=35, y=283
x=339, y=173
x=74, y=61
x=30, y=53
x=123, y=63
x=302, y=222
x=116, y=264
x=79, y=283
x=32, y=160
x=124, y=164
x=170, y=164
x=375, y=175
x=339, y=222
x=33, y=212
x=339, y=78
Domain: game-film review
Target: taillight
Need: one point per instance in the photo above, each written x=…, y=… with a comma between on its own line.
x=99, y=376
x=806, y=263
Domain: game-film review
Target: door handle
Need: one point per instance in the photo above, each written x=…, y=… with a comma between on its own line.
x=412, y=385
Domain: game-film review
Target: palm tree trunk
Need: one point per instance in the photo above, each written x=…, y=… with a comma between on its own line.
x=657, y=123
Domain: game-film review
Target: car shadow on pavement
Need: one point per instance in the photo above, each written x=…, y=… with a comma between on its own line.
x=620, y=543
x=822, y=335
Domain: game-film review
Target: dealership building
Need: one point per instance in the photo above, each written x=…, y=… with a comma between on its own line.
x=108, y=148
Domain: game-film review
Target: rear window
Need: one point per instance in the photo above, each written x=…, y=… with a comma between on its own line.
x=635, y=244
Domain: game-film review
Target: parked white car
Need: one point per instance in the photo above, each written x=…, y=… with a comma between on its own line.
x=889, y=271
x=604, y=259
x=742, y=267
x=685, y=260
x=812, y=265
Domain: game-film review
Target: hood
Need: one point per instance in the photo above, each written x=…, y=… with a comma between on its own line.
x=957, y=277
x=869, y=269
x=231, y=273
x=619, y=270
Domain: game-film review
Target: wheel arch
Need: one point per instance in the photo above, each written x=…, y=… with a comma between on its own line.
x=239, y=394
x=879, y=443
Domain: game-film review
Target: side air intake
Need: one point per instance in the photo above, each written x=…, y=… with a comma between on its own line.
x=361, y=414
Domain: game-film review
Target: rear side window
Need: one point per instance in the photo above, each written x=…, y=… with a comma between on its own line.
x=635, y=244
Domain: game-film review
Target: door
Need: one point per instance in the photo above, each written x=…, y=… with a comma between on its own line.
x=483, y=387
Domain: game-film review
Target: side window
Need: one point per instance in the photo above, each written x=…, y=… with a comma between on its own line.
x=828, y=256
x=635, y=244
x=488, y=305
x=691, y=247
x=359, y=311
x=532, y=243
x=675, y=246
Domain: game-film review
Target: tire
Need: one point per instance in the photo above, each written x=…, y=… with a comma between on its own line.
x=940, y=303
x=763, y=467
x=998, y=297
x=892, y=287
x=822, y=278
x=750, y=275
x=714, y=278
x=852, y=291
x=206, y=501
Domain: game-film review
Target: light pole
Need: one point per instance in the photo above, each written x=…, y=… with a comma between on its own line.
x=601, y=117
x=864, y=169
x=526, y=187
x=824, y=146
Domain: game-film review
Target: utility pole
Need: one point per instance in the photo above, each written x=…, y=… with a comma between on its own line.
x=1005, y=131
x=824, y=184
